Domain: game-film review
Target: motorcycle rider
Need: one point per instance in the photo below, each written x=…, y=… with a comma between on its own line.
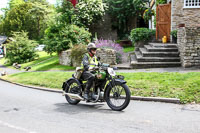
x=88, y=62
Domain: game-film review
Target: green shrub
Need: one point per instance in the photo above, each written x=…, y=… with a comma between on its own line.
x=141, y=34
x=58, y=38
x=174, y=33
x=20, y=49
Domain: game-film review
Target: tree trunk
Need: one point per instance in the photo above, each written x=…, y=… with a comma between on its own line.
x=38, y=26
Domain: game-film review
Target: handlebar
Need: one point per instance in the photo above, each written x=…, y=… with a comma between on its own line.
x=103, y=66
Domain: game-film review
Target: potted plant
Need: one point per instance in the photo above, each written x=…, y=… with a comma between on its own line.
x=174, y=36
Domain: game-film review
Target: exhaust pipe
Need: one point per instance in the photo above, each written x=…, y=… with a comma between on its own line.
x=73, y=96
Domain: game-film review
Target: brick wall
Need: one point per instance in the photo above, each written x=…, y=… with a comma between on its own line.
x=189, y=46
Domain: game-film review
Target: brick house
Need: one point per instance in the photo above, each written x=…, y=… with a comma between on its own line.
x=184, y=16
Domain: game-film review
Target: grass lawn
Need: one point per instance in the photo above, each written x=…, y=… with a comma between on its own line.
x=129, y=49
x=173, y=85
x=43, y=62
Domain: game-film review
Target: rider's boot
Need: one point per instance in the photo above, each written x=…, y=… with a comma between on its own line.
x=87, y=89
x=86, y=96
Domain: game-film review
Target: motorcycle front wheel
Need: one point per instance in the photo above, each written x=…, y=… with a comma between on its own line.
x=118, y=96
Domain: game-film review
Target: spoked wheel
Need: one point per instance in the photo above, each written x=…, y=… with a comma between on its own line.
x=74, y=87
x=118, y=97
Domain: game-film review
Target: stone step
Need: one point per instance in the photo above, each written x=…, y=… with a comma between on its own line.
x=145, y=53
x=160, y=49
x=139, y=65
x=165, y=45
x=140, y=58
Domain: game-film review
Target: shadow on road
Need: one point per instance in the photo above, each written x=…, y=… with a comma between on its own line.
x=85, y=107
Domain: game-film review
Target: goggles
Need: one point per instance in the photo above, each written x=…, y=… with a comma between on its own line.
x=93, y=49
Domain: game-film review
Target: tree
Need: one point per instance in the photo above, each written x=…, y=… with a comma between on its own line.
x=88, y=12
x=122, y=10
x=21, y=49
x=18, y=19
x=1, y=25
x=65, y=13
x=30, y=17
x=39, y=12
x=14, y=3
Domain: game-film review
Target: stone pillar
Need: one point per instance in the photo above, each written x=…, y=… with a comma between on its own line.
x=65, y=58
x=189, y=46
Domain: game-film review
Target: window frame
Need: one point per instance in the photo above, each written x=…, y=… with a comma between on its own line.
x=191, y=4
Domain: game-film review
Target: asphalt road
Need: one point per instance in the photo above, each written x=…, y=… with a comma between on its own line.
x=25, y=110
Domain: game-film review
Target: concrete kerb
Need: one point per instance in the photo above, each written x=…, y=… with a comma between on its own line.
x=140, y=98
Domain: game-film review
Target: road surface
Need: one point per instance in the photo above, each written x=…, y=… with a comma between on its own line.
x=25, y=110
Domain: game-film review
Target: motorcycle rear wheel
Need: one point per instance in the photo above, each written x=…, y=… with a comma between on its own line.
x=73, y=84
x=116, y=94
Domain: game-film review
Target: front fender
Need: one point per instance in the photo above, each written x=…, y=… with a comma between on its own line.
x=66, y=83
x=117, y=81
x=120, y=81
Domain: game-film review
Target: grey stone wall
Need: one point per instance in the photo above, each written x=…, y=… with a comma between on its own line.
x=108, y=56
x=189, y=46
x=180, y=15
x=65, y=58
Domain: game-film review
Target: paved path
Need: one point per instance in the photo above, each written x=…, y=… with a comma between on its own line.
x=25, y=110
x=172, y=69
x=9, y=70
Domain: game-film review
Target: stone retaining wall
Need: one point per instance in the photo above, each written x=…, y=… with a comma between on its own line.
x=107, y=56
x=189, y=46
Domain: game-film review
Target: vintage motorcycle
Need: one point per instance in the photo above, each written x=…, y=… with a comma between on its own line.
x=107, y=87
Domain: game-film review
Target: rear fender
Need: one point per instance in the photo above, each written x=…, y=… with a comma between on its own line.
x=66, y=83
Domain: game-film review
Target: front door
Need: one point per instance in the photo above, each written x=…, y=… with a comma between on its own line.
x=163, y=21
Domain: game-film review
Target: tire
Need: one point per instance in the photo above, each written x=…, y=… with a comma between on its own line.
x=69, y=90
x=117, y=95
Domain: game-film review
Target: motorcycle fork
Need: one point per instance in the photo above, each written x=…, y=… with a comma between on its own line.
x=112, y=81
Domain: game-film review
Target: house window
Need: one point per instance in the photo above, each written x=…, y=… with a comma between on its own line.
x=191, y=3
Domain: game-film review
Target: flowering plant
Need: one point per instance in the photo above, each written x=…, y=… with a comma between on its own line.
x=147, y=14
x=88, y=12
x=109, y=44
